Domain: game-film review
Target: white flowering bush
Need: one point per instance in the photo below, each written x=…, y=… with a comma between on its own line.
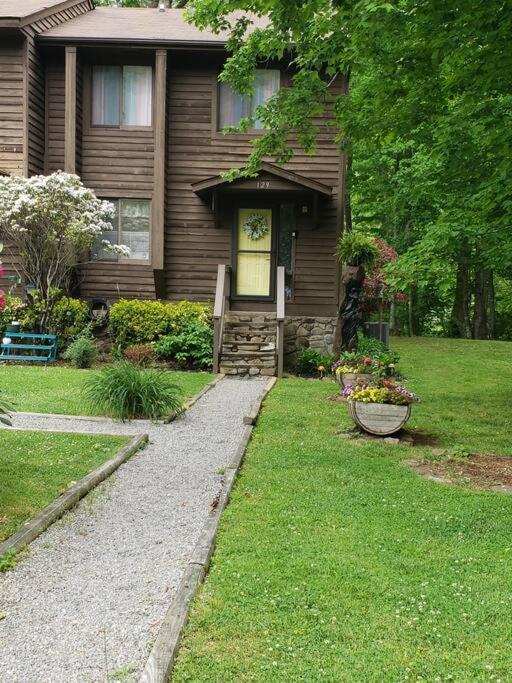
x=52, y=221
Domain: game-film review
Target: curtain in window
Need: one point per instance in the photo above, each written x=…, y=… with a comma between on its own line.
x=266, y=83
x=233, y=106
x=106, y=93
x=135, y=227
x=137, y=95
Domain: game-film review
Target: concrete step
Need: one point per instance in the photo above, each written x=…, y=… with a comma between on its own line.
x=248, y=370
x=249, y=316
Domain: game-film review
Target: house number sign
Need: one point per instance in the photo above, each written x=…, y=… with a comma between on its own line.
x=263, y=184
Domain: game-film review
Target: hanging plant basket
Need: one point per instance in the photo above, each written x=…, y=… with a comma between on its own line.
x=256, y=226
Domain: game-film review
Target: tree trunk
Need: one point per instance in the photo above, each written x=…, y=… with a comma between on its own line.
x=460, y=312
x=480, y=309
x=348, y=205
x=410, y=313
x=392, y=317
x=490, y=304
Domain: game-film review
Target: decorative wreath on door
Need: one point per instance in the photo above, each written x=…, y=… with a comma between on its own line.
x=255, y=227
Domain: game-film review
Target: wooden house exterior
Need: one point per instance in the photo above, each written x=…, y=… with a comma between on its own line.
x=129, y=99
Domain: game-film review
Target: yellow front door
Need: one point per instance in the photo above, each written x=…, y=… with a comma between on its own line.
x=254, y=252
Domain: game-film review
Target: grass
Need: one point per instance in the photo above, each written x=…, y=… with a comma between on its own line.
x=59, y=390
x=335, y=562
x=36, y=467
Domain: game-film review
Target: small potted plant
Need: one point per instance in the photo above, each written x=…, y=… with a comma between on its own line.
x=382, y=408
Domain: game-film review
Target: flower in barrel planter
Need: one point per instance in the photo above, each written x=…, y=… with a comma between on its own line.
x=382, y=408
x=353, y=368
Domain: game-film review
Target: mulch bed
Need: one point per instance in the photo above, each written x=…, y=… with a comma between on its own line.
x=492, y=472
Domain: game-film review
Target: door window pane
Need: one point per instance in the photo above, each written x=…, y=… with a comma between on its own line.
x=234, y=107
x=254, y=257
x=286, y=245
x=135, y=227
x=106, y=95
x=137, y=95
x=253, y=274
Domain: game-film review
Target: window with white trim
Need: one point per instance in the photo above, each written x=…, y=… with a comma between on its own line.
x=131, y=228
x=234, y=107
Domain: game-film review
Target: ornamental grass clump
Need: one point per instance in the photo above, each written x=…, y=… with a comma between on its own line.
x=125, y=391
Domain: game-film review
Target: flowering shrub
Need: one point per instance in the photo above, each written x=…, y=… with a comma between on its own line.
x=385, y=392
x=375, y=285
x=53, y=221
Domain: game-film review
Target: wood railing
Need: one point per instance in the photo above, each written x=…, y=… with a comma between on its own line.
x=221, y=305
x=280, y=312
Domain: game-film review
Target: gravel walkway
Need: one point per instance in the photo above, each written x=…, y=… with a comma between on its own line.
x=87, y=602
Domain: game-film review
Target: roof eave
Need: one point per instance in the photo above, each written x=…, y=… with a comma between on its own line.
x=92, y=40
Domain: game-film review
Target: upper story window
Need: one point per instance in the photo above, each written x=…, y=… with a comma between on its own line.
x=122, y=95
x=130, y=227
x=234, y=107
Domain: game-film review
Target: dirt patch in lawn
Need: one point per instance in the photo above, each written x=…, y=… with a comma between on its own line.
x=490, y=472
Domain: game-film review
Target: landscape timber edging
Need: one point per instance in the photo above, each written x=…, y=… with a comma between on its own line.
x=34, y=527
x=100, y=418
x=160, y=663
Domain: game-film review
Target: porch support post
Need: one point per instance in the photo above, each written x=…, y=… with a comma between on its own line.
x=70, y=111
x=158, y=203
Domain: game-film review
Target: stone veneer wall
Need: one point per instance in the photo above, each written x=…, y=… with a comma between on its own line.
x=305, y=332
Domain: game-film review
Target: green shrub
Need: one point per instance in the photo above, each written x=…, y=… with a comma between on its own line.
x=185, y=312
x=139, y=322
x=375, y=348
x=125, y=391
x=192, y=345
x=82, y=352
x=69, y=317
x=310, y=360
x=140, y=354
x=13, y=310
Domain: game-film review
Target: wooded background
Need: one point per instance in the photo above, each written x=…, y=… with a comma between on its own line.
x=425, y=121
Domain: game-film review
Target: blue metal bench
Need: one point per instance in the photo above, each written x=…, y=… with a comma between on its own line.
x=43, y=347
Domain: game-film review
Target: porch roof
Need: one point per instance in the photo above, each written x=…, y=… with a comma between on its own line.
x=294, y=180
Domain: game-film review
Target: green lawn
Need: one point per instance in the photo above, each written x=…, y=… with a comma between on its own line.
x=36, y=467
x=335, y=562
x=58, y=389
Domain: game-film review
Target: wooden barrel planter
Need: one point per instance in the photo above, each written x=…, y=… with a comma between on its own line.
x=380, y=419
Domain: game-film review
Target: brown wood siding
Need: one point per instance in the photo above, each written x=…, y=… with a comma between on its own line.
x=116, y=162
x=112, y=162
x=113, y=281
x=54, y=118
x=193, y=245
x=11, y=106
x=36, y=83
